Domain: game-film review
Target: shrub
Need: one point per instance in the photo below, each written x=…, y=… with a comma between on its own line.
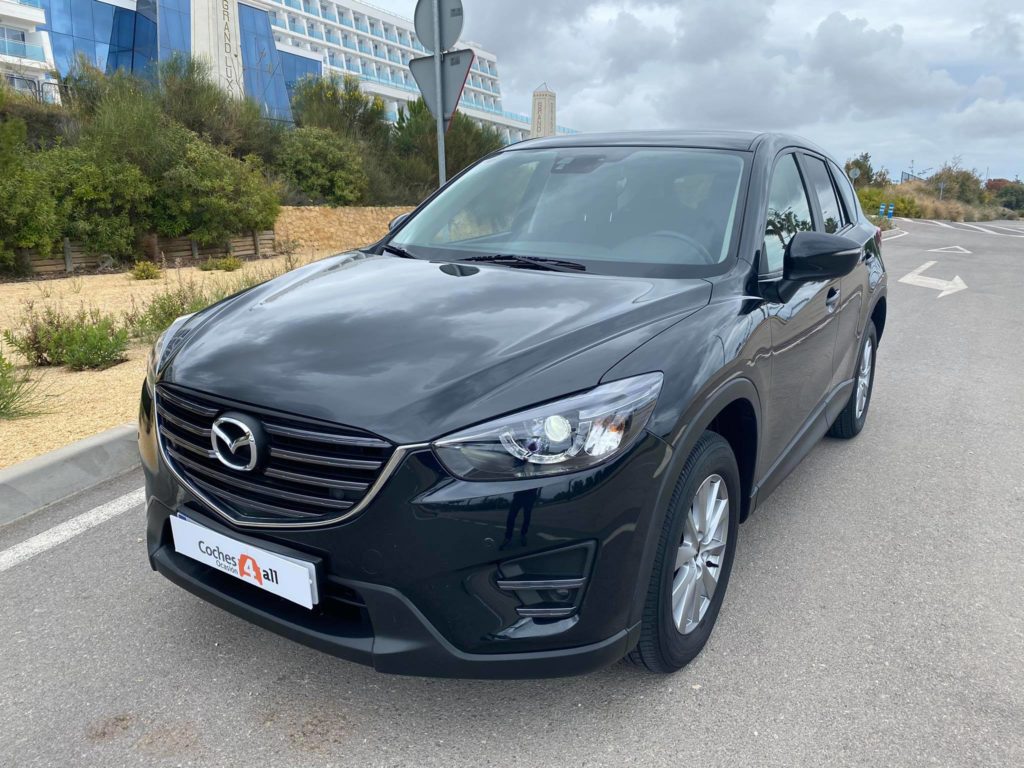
x=91, y=341
x=101, y=202
x=35, y=339
x=324, y=166
x=225, y=263
x=86, y=339
x=211, y=196
x=167, y=306
x=145, y=270
x=27, y=212
x=17, y=391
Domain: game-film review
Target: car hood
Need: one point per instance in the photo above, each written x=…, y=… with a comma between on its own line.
x=412, y=349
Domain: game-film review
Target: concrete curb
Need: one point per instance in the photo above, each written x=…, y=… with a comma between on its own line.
x=39, y=482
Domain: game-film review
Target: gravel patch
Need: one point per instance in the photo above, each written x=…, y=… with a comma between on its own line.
x=74, y=405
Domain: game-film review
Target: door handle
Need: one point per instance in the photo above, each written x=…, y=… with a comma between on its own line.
x=832, y=299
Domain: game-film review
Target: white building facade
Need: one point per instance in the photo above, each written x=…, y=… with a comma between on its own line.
x=26, y=59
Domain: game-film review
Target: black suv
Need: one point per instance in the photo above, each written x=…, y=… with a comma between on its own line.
x=517, y=436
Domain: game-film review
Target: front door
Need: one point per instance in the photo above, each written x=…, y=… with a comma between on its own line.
x=801, y=317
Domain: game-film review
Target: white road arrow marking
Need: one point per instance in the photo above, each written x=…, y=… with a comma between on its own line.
x=949, y=249
x=945, y=287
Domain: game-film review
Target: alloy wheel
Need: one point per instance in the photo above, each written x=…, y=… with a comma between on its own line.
x=864, y=377
x=701, y=554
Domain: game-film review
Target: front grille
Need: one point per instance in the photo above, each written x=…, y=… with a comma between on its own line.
x=315, y=471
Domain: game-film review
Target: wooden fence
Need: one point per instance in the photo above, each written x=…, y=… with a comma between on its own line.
x=159, y=249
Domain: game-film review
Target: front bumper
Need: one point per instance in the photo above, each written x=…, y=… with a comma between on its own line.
x=434, y=576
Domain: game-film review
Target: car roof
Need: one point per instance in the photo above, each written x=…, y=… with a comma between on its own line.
x=735, y=140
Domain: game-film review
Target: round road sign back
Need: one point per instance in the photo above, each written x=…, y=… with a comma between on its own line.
x=451, y=23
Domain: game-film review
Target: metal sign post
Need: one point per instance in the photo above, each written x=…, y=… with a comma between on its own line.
x=438, y=26
x=441, y=175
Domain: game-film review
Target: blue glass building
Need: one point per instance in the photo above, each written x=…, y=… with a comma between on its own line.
x=257, y=47
x=114, y=37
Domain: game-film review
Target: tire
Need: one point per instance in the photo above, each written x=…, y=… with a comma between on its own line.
x=849, y=423
x=665, y=644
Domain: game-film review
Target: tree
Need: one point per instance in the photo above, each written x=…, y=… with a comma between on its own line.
x=867, y=176
x=339, y=105
x=415, y=146
x=953, y=181
x=188, y=94
x=324, y=166
x=1011, y=196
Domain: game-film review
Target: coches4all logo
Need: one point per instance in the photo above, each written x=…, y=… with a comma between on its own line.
x=243, y=566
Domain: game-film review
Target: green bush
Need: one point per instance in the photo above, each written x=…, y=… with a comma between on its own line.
x=211, y=196
x=36, y=333
x=324, y=166
x=27, y=213
x=145, y=270
x=225, y=263
x=101, y=203
x=91, y=341
x=17, y=391
x=1012, y=196
x=165, y=307
x=86, y=339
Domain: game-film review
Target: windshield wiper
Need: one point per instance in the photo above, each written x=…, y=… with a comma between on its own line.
x=530, y=262
x=398, y=250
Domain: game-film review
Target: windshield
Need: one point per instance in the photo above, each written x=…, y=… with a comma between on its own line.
x=616, y=210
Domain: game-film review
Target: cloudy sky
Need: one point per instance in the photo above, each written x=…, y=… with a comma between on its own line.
x=906, y=80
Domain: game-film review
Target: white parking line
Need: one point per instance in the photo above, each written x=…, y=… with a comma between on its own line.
x=980, y=229
x=1016, y=230
x=900, y=233
x=41, y=542
x=988, y=230
x=937, y=223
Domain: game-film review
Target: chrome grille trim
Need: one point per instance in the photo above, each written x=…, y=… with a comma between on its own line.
x=323, y=437
x=326, y=461
x=265, y=490
x=204, y=482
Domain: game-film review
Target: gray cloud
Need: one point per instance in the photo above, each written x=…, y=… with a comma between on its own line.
x=901, y=79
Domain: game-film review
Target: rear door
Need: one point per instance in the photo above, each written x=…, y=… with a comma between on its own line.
x=801, y=315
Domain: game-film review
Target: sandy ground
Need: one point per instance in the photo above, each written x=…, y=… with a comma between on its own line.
x=74, y=405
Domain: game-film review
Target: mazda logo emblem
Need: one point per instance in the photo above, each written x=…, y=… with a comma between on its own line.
x=235, y=443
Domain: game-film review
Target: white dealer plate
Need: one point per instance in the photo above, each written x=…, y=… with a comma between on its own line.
x=287, y=577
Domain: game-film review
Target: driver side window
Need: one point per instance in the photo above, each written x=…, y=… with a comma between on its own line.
x=788, y=212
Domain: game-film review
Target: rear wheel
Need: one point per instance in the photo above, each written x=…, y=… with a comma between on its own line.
x=851, y=420
x=694, y=559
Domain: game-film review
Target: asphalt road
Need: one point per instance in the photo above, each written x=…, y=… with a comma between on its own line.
x=875, y=615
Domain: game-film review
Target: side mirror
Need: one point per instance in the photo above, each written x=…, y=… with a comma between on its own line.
x=397, y=221
x=819, y=256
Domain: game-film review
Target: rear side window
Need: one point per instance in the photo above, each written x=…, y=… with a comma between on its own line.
x=821, y=183
x=847, y=193
x=789, y=212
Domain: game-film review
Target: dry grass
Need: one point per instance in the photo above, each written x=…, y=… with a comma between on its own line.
x=77, y=405
x=74, y=405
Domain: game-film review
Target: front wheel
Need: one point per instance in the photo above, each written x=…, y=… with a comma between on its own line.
x=851, y=419
x=694, y=559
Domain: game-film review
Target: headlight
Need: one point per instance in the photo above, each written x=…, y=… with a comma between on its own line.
x=165, y=343
x=567, y=435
